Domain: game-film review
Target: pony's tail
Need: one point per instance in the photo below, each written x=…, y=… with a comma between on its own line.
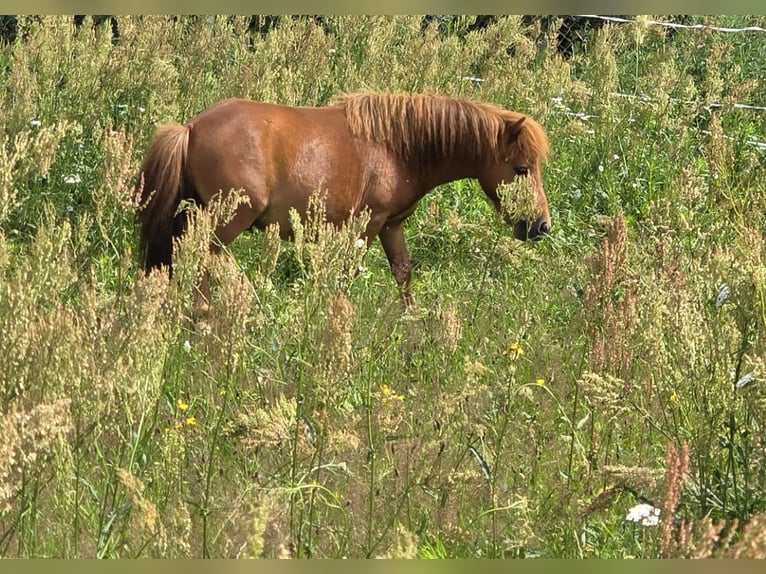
x=164, y=182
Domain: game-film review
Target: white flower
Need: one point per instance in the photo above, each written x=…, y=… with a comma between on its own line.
x=601, y=168
x=615, y=157
x=360, y=243
x=187, y=346
x=745, y=380
x=723, y=294
x=36, y=123
x=72, y=179
x=645, y=514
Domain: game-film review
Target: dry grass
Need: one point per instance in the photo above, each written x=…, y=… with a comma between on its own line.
x=537, y=393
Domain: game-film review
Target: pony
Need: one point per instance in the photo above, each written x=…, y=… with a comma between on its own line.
x=378, y=151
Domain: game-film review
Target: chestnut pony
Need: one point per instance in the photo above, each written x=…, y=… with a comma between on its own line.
x=378, y=151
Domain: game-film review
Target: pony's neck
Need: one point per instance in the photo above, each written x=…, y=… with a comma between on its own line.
x=446, y=170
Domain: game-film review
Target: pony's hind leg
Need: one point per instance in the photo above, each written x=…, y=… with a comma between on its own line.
x=242, y=221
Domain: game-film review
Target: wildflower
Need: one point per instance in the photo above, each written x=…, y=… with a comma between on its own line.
x=191, y=421
x=745, y=380
x=182, y=405
x=645, y=514
x=600, y=168
x=515, y=350
x=360, y=243
x=187, y=346
x=72, y=179
x=674, y=398
x=388, y=394
x=69, y=208
x=36, y=123
x=540, y=381
x=615, y=157
x=723, y=295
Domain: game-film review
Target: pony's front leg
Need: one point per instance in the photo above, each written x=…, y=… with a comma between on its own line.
x=392, y=240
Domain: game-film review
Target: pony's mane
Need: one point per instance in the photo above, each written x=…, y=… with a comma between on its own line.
x=418, y=128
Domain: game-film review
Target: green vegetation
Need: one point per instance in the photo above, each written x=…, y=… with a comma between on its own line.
x=537, y=393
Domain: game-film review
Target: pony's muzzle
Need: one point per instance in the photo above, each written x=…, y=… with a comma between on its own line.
x=526, y=231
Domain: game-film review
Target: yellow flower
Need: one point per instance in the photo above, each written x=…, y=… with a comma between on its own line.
x=674, y=398
x=191, y=421
x=388, y=394
x=540, y=381
x=515, y=350
x=182, y=406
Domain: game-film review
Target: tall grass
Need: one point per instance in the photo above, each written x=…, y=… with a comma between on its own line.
x=536, y=394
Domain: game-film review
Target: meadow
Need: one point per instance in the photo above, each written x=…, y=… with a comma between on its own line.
x=534, y=398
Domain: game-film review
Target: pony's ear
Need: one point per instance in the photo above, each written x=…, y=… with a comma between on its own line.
x=513, y=129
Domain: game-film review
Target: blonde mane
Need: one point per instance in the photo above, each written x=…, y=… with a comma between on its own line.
x=421, y=128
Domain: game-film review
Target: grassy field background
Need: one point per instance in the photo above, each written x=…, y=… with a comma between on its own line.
x=536, y=395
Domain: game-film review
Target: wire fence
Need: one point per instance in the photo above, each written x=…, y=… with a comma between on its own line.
x=575, y=29
x=675, y=25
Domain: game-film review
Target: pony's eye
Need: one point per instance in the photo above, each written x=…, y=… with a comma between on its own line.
x=521, y=170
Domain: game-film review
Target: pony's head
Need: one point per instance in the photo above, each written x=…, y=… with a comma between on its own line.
x=522, y=149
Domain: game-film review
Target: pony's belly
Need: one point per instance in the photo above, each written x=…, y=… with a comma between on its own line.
x=272, y=216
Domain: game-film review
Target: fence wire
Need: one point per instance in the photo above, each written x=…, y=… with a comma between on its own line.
x=576, y=31
x=675, y=25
